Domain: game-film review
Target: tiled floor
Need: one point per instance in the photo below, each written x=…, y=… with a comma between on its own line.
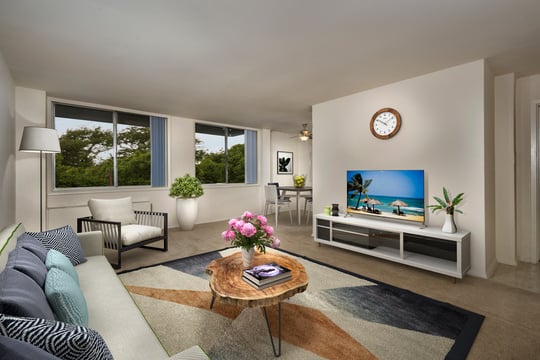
x=510, y=300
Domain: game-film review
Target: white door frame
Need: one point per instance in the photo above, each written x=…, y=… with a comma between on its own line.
x=534, y=242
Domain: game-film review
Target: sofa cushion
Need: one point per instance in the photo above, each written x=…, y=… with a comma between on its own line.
x=55, y=259
x=32, y=244
x=21, y=296
x=26, y=262
x=120, y=210
x=132, y=234
x=113, y=313
x=11, y=349
x=66, y=341
x=66, y=297
x=62, y=239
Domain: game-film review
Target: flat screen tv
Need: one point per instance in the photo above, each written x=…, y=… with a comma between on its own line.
x=391, y=194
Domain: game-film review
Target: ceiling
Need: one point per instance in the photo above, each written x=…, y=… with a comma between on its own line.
x=255, y=63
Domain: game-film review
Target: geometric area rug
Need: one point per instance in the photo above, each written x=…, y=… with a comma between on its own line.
x=341, y=315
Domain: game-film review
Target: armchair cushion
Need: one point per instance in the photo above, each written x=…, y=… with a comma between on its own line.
x=62, y=239
x=120, y=210
x=132, y=234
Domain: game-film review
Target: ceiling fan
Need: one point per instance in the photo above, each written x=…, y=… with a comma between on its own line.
x=305, y=134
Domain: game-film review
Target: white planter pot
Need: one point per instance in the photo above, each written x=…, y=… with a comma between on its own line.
x=186, y=212
x=449, y=224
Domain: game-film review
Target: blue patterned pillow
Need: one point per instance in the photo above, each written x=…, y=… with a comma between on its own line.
x=66, y=341
x=26, y=262
x=66, y=298
x=55, y=259
x=62, y=239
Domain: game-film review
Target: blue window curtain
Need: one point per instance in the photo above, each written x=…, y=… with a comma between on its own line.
x=251, y=156
x=158, y=139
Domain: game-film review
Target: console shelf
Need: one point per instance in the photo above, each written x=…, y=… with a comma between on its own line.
x=426, y=248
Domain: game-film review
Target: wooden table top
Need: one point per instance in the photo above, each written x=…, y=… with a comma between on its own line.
x=227, y=285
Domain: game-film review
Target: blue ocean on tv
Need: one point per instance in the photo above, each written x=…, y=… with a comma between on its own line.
x=414, y=206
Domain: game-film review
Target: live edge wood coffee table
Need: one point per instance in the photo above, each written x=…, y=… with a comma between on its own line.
x=228, y=287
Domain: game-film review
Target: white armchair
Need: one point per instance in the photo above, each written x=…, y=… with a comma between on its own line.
x=123, y=228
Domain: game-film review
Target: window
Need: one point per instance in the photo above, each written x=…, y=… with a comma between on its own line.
x=225, y=155
x=108, y=148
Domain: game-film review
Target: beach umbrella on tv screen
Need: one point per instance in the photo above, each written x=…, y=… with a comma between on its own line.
x=398, y=203
x=374, y=202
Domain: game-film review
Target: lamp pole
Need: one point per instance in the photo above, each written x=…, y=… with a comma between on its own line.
x=40, y=140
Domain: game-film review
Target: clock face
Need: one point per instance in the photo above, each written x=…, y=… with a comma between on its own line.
x=385, y=123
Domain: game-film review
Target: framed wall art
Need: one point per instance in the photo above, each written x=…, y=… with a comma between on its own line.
x=284, y=163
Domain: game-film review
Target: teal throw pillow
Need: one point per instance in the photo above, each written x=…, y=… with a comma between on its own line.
x=66, y=298
x=55, y=259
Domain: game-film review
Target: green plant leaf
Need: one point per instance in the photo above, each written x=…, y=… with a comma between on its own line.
x=186, y=187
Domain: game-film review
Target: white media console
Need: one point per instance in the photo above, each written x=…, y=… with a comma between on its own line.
x=426, y=248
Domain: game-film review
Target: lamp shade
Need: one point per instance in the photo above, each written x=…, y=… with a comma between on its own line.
x=36, y=139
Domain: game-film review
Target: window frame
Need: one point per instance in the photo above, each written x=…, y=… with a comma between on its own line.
x=115, y=110
x=254, y=160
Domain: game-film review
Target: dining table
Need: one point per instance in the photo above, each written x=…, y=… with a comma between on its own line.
x=297, y=190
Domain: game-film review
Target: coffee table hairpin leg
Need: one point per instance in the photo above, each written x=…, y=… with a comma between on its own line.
x=278, y=352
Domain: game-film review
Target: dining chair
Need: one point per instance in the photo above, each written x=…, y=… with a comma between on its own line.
x=271, y=196
x=279, y=194
x=308, y=206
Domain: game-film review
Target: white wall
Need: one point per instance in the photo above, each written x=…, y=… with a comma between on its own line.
x=505, y=206
x=527, y=92
x=302, y=162
x=301, y=157
x=443, y=132
x=8, y=145
x=220, y=202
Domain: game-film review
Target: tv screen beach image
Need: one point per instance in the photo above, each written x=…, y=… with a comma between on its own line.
x=397, y=194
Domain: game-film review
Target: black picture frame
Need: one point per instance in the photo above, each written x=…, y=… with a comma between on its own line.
x=284, y=163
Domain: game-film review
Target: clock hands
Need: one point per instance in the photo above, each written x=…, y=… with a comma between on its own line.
x=384, y=123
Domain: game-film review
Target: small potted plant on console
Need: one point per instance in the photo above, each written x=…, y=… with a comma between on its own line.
x=449, y=205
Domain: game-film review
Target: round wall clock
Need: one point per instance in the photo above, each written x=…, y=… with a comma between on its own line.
x=385, y=123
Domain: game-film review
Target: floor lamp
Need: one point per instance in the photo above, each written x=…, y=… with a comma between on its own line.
x=41, y=140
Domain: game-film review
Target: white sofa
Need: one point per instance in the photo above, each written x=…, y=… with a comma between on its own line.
x=111, y=310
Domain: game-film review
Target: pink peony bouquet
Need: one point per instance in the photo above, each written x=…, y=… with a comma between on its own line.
x=250, y=231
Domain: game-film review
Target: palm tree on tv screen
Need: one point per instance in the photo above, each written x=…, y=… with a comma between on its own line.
x=359, y=187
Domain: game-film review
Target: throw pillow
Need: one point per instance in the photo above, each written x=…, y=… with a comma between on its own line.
x=11, y=349
x=22, y=296
x=66, y=298
x=55, y=259
x=120, y=210
x=66, y=341
x=62, y=239
x=26, y=262
x=32, y=244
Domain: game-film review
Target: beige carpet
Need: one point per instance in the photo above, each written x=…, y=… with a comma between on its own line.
x=340, y=316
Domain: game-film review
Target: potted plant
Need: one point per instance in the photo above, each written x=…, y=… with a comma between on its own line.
x=449, y=206
x=186, y=189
